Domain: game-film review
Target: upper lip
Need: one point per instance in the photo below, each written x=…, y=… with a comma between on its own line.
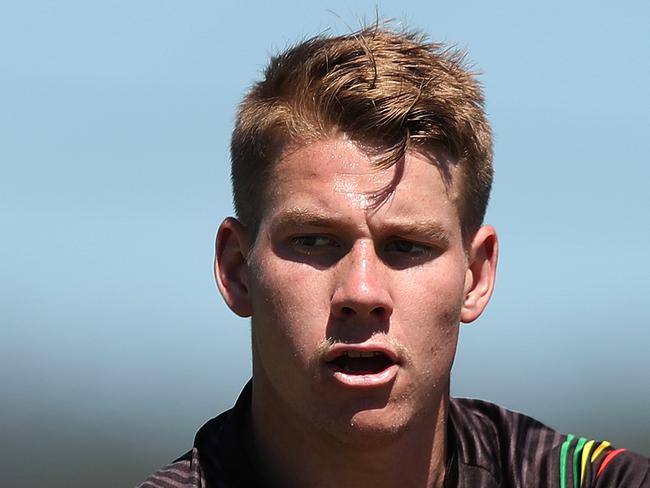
x=337, y=350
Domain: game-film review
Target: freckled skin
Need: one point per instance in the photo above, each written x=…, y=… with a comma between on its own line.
x=298, y=291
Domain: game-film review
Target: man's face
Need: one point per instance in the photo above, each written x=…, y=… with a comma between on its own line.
x=355, y=306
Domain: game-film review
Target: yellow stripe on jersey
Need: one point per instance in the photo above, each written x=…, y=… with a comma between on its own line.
x=585, y=458
x=599, y=449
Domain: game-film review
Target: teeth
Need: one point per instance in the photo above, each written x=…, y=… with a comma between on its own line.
x=362, y=354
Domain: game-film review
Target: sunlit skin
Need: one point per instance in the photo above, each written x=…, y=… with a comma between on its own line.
x=333, y=268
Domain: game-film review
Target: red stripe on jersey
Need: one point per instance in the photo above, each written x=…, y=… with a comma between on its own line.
x=607, y=460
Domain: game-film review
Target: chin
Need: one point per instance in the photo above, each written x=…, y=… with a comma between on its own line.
x=370, y=426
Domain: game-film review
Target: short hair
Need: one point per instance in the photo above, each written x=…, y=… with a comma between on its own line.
x=393, y=91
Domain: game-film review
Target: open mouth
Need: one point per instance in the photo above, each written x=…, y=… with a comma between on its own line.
x=362, y=362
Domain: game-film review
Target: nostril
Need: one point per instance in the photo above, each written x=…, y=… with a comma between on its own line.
x=347, y=311
x=378, y=311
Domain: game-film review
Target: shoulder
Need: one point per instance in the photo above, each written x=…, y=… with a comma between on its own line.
x=185, y=472
x=518, y=450
x=221, y=456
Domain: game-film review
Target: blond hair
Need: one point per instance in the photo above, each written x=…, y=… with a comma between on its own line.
x=394, y=91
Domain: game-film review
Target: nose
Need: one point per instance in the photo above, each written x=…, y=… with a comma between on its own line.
x=362, y=289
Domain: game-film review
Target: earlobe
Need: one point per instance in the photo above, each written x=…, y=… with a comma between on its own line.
x=230, y=269
x=481, y=273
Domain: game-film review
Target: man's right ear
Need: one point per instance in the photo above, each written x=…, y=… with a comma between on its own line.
x=230, y=269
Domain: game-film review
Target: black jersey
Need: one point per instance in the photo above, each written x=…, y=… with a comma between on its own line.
x=488, y=447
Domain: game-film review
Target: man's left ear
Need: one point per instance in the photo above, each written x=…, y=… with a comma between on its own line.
x=481, y=273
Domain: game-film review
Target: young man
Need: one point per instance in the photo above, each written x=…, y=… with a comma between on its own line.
x=362, y=167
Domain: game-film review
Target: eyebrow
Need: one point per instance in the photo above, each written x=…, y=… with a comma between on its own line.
x=429, y=229
x=300, y=217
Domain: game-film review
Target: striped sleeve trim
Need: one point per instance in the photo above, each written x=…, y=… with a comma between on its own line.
x=603, y=445
x=611, y=455
x=564, y=455
x=577, y=460
x=585, y=459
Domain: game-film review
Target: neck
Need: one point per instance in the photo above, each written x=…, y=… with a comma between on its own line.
x=296, y=453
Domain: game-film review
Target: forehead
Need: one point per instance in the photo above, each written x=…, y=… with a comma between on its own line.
x=338, y=170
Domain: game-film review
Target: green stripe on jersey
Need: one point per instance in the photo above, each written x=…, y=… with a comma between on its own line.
x=564, y=452
x=576, y=462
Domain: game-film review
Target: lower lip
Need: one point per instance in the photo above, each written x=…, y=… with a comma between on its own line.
x=372, y=380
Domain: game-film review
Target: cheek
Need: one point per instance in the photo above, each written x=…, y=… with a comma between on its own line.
x=429, y=316
x=435, y=291
x=289, y=316
x=433, y=330
x=431, y=341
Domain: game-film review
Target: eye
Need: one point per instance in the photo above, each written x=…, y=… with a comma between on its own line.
x=404, y=253
x=311, y=243
x=401, y=246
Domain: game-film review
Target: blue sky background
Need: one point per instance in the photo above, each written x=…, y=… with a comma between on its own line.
x=115, y=119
